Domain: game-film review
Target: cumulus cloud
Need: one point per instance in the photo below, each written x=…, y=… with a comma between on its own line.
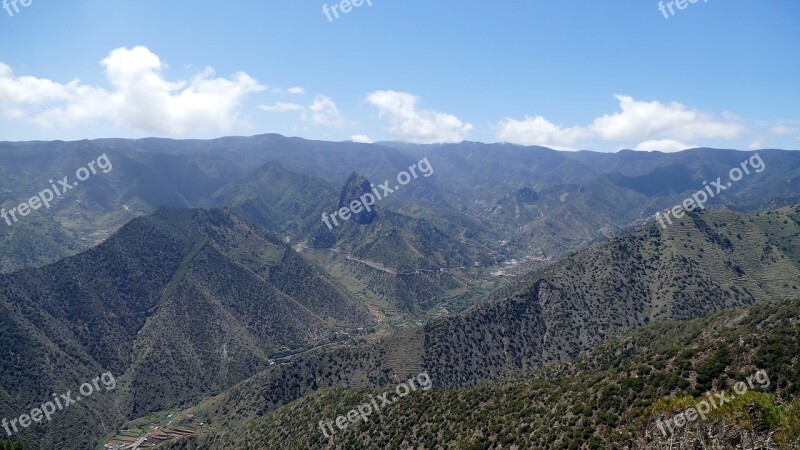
x=139, y=97
x=785, y=130
x=296, y=90
x=322, y=111
x=282, y=107
x=642, y=120
x=660, y=125
x=361, y=138
x=663, y=145
x=539, y=131
x=407, y=123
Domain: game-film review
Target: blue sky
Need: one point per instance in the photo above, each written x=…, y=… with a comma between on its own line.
x=599, y=75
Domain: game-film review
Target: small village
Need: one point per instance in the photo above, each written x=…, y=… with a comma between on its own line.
x=148, y=432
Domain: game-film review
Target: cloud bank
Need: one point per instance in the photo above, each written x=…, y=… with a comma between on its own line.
x=406, y=122
x=139, y=97
x=655, y=125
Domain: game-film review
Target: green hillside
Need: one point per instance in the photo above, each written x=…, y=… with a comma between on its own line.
x=554, y=314
x=611, y=397
x=178, y=305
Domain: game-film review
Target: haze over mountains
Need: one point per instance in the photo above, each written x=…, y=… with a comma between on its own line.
x=532, y=197
x=201, y=274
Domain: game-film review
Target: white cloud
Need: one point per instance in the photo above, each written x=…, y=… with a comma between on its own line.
x=296, y=90
x=661, y=125
x=785, y=130
x=139, y=97
x=769, y=135
x=663, y=145
x=361, y=138
x=539, y=131
x=406, y=123
x=322, y=111
x=282, y=107
x=648, y=120
x=32, y=90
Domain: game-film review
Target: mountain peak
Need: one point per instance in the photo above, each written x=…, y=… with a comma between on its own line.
x=354, y=188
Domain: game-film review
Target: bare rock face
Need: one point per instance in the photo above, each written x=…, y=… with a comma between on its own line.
x=354, y=188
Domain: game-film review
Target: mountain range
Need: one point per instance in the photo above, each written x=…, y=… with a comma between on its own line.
x=203, y=276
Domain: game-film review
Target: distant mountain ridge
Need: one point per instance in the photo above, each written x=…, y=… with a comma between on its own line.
x=581, y=197
x=88, y=214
